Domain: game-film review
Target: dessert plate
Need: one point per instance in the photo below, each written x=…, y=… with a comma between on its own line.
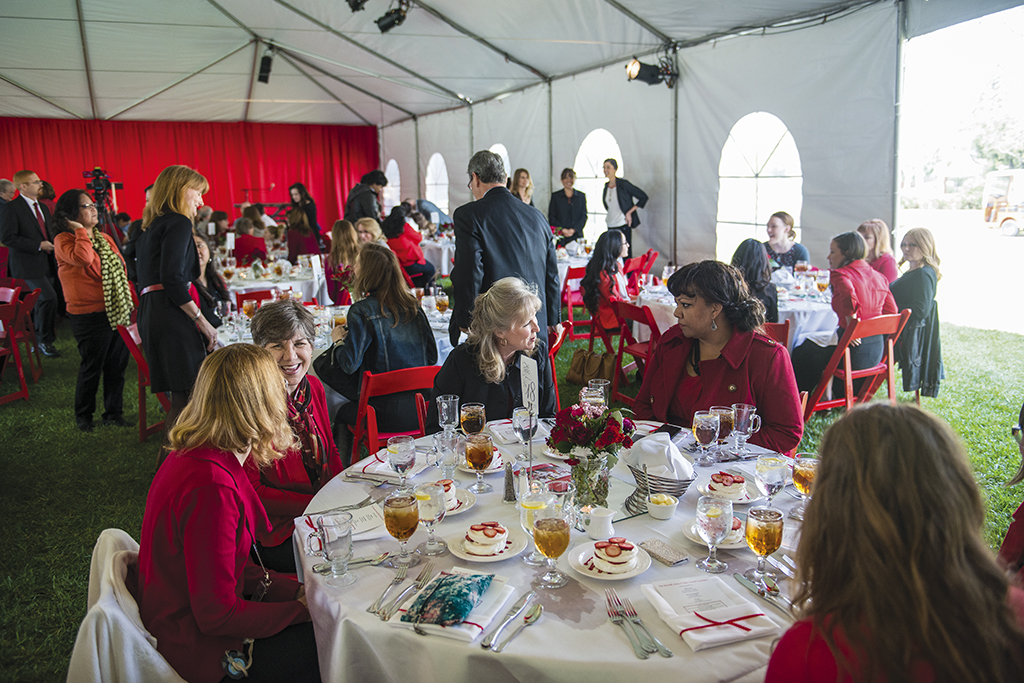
x=552, y=453
x=497, y=465
x=751, y=495
x=514, y=544
x=580, y=556
x=690, y=531
x=466, y=500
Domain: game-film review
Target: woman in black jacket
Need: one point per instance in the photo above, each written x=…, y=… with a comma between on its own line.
x=622, y=198
x=567, y=210
x=362, y=200
x=302, y=200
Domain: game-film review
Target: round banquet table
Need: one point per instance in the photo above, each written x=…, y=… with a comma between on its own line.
x=572, y=642
x=440, y=254
x=309, y=286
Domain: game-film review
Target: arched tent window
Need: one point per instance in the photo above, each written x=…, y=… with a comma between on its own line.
x=589, y=166
x=759, y=174
x=500, y=150
x=437, y=181
x=393, y=190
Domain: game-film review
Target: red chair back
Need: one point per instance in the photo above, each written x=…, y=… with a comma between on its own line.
x=13, y=282
x=555, y=342
x=10, y=295
x=133, y=341
x=260, y=295
x=778, y=331
x=572, y=297
x=628, y=314
x=24, y=330
x=383, y=384
x=9, y=313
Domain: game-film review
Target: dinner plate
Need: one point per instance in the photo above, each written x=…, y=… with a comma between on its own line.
x=514, y=544
x=753, y=494
x=580, y=556
x=466, y=500
x=497, y=465
x=690, y=531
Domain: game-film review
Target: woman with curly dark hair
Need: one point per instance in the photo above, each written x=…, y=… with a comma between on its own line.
x=717, y=355
x=604, y=281
x=752, y=260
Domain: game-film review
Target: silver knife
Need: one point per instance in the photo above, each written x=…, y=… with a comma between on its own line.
x=760, y=592
x=518, y=608
x=781, y=567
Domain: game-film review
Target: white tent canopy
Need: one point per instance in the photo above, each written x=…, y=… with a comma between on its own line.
x=536, y=76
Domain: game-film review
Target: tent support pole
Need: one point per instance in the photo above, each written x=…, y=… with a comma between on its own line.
x=674, y=203
x=19, y=86
x=551, y=137
x=901, y=39
x=419, y=172
x=471, y=134
x=252, y=80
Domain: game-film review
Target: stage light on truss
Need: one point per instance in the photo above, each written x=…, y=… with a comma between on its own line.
x=650, y=74
x=356, y=5
x=393, y=17
x=265, y=64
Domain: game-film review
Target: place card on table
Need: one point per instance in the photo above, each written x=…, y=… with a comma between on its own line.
x=706, y=613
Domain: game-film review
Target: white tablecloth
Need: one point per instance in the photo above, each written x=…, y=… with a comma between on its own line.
x=309, y=286
x=572, y=262
x=573, y=641
x=440, y=254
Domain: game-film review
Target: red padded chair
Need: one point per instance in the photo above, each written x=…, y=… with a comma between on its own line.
x=555, y=342
x=260, y=295
x=778, y=331
x=839, y=366
x=25, y=333
x=627, y=314
x=383, y=384
x=572, y=297
x=133, y=341
x=9, y=350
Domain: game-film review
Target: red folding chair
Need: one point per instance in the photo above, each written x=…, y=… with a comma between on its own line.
x=628, y=314
x=384, y=384
x=9, y=351
x=24, y=330
x=555, y=342
x=133, y=341
x=890, y=326
x=573, y=297
x=14, y=282
x=9, y=295
x=259, y=296
x=778, y=331
x=632, y=268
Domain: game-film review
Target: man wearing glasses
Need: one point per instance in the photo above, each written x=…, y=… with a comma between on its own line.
x=25, y=228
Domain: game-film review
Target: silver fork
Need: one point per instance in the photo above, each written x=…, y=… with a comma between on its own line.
x=399, y=578
x=426, y=574
x=635, y=618
x=618, y=620
x=645, y=642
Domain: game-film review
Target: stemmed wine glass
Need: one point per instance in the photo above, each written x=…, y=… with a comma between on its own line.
x=401, y=517
x=431, y=502
x=524, y=424
x=225, y=310
x=714, y=522
x=764, y=536
x=551, y=536
x=746, y=423
x=529, y=503
x=479, y=454
x=401, y=457
x=705, y=431
x=805, y=466
x=770, y=474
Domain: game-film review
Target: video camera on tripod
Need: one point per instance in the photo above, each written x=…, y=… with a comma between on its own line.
x=100, y=185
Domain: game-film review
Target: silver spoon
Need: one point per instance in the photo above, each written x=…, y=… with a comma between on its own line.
x=532, y=615
x=772, y=586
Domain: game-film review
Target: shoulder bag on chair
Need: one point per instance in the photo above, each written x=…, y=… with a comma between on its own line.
x=587, y=365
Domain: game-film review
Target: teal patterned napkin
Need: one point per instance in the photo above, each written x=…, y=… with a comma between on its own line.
x=449, y=599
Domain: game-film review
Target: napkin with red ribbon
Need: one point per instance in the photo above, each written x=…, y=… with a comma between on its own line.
x=706, y=613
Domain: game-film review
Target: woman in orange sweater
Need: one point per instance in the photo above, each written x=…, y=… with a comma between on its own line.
x=99, y=299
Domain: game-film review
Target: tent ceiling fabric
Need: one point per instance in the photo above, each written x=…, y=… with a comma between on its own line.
x=195, y=59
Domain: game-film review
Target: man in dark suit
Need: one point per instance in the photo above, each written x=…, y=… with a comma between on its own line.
x=26, y=229
x=499, y=236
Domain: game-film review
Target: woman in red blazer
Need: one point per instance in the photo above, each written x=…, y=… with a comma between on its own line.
x=201, y=519
x=405, y=240
x=858, y=291
x=286, y=486
x=717, y=356
x=895, y=581
x=604, y=281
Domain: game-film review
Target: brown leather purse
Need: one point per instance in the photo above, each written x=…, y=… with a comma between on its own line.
x=587, y=365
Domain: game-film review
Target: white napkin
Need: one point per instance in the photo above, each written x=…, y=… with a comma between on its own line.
x=378, y=466
x=679, y=602
x=503, y=432
x=493, y=601
x=661, y=456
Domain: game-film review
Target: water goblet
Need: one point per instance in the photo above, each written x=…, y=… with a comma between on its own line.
x=231, y=262
x=401, y=517
x=705, y=431
x=401, y=456
x=529, y=503
x=524, y=424
x=593, y=397
x=805, y=466
x=764, y=536
x=564, y=493
x=726, y=420
x=431, y=502
x=714, y=522
x=604, y=385
x=746, y=423
x=446, y=444
x=448, y=412
x=474, y=417
x=770, y=474
x=822, y=280
x=479, y=455
x=551, y=536
x=334, y=533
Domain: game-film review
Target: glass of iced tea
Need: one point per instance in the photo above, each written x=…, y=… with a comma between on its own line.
x=249, y=308
x=278, y=270
x=341, y=316
x=401, y=519
x=726, y=421
x=479, y=455
x=551, y=536
x=764, y=536
x=441, y=302
x=821, y=281
x=705, y=431
x=805, y=465
x=473, y=416
x=228, y=273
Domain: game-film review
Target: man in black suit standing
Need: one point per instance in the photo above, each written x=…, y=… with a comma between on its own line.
x=499, y=236
x=26, y=228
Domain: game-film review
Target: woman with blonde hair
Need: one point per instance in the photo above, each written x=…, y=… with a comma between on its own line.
x=905, y=589
x=369, y=231
x=522, y=185
x=486, y=368
x=175, y=335
x=878, y=252
x=919, y=349
x=202, y=518
x=340, y=261
x=783, y=249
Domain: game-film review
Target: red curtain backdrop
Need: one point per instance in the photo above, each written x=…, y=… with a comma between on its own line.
x=328, y=160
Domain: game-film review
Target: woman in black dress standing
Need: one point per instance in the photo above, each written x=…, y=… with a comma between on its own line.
x=618, y=198
x=302, y=200
x=567, y=210
x=175, y=335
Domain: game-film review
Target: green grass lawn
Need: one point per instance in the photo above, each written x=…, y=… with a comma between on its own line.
x=62, y=487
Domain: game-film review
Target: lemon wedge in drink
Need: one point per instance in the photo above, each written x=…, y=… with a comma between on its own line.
x=420, y=495
x=532, y=504
x=713, y=513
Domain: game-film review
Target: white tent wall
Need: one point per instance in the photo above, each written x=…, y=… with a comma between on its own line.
x=520, y=122
x=834, y=88
x=448, y=134
x=398, y=142
x=925, y=16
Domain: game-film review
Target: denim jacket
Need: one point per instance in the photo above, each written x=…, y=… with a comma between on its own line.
x=373, y=344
